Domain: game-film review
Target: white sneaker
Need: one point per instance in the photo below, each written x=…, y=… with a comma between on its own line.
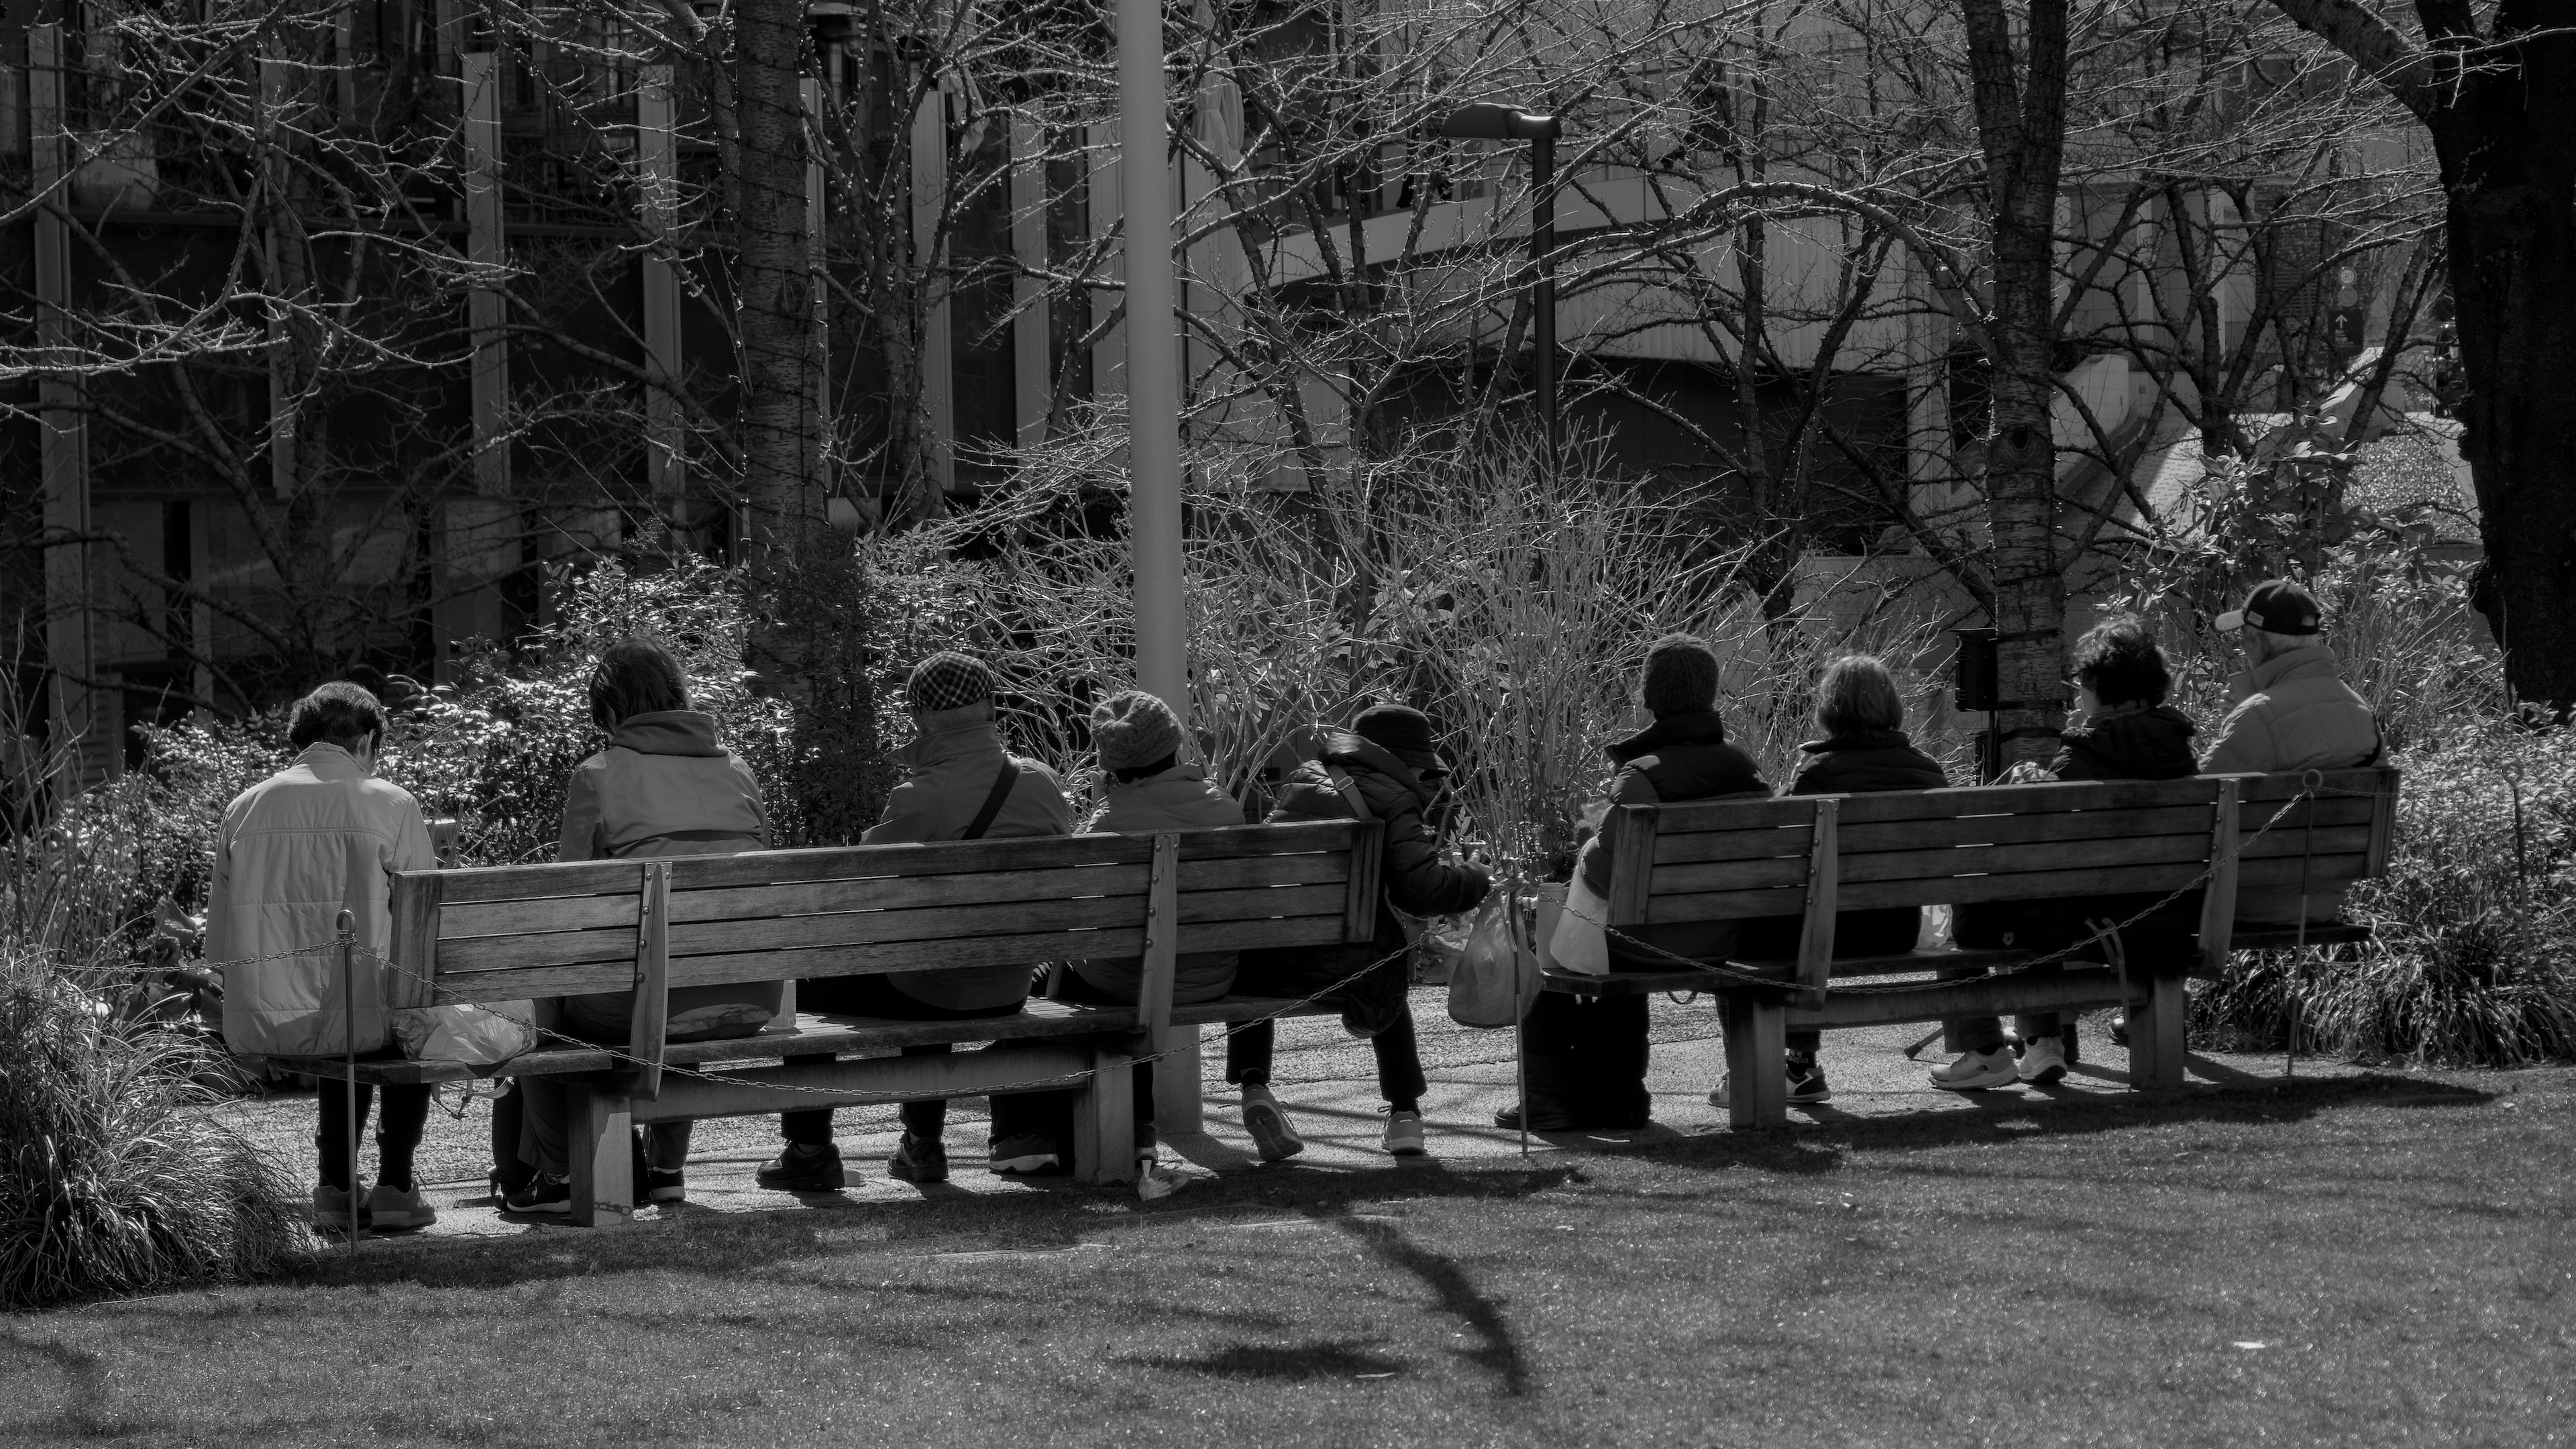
x=1718, y=1096
x=1154, y=1181
x=1263, y=1117
x=1977, y=1071
x=1404, y=1137
x=2043, y=1062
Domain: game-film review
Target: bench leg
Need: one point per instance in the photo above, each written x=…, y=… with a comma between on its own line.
x=1177, y=1107
x=1757, y=1039
x=602, y=1151
x=1104, y=1121
x=2158, y=1028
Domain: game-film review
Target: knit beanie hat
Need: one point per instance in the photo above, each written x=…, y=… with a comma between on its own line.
x=948, y=680
x=1681, y=677
x=1132, y=729
x=1405, y=733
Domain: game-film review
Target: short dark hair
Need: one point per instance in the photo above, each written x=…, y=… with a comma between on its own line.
x=340, y=712
x=2119, y=660
x=636, y=675
x=1856, y=694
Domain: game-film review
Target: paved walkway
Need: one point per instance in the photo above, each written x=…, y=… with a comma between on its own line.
x=1325, y=1079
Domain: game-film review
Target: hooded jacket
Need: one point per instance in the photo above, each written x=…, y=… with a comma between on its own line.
x=1179, y=798
x=2294, y=714
x=316, y=838
x=949, y=769
x=2135, y=741
x=1678, y=757
x=666, y=786
x=1420, y=880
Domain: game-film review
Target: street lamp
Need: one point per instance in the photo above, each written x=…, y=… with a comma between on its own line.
x=1486, y=121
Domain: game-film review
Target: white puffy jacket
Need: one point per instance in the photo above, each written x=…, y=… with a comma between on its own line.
x=315, y=839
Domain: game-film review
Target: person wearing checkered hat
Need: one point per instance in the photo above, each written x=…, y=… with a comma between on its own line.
x=2291, y=712
x=959, y=783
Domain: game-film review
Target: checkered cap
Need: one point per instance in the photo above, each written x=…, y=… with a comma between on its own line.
x=948, y=680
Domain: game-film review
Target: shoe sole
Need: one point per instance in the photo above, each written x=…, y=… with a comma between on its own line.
x=906, y=1172
x=667, y=1194
x=540, y=1210
x=406, y=1220
x=1804, y=1099
x=1980, y=1084
x=1271, y=1136
x=1030, y=1165
x=831, y=1184
x=1416, y=1150
x=2047, y=1077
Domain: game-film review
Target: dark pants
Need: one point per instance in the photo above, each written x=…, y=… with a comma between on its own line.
x=1886, y=931
x=397, y=1131
x=1399, y=1060
x=875, y=996
x=1585, y=1058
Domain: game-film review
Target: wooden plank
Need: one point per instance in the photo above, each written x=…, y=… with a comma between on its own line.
x=1766, y=842
x=2218, y=906
x=1756, y=1056
x=814, y=898
x=2361, y=782
x=1162, y=908
x=2383, y=824
x=2067, y=990
x=1947, y=804
x=411, y=980
x=1785, y=900
x=601, y=1143
x=1816, y=933
x=1690, y=817
x=1359, y=898
x=1628, y=833
x=2157, y=1027
x=2022, y=886
x=2325, y=873
x=2033, y=827
x=1104, y=1122
x=2327, y=810
x=2290, y=938
x=550, y=913
x=651, y=1020
x=758, y=1091
x=1720, y=875
x=2291, y=842
x=1888, y=865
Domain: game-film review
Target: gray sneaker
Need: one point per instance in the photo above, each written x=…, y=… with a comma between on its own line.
x=331, y=1210
x=396, y=1207
x=1272, y=1137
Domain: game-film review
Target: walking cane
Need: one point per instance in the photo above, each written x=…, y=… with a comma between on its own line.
x=349, y=1052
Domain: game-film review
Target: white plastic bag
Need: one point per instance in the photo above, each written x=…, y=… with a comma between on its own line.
x=1496, y=978
x=471, y=1035
x=1578, y=943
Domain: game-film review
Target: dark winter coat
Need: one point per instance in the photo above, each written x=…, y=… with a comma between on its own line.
x=1870, y=762
x=2135, y=741
x=1678, y=757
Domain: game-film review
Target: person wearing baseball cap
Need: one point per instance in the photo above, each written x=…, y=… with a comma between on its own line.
x=2291, y=712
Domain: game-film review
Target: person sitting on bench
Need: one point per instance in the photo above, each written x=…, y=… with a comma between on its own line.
x=2290, y=712
x=1387, y=766
x=959, y=784
x=319, y=837
x=663, y=785
x=2122, y=729
x=1150, y=790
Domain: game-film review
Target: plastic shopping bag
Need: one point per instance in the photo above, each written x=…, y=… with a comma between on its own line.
x=471, y=1035
x=1496, y=977
x=1578, y=943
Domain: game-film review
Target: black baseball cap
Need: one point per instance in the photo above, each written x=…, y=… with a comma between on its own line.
x=2276, y=607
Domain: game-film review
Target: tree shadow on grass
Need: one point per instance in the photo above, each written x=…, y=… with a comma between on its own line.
x=1499, y=1349
x=1347, y=1358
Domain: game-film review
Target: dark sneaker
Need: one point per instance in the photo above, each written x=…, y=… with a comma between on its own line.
x=1272, y=1137
x=331, y=1210
x=1807, y=1083
x=545, y=1193
x=660, y=1186
x=1547, y=1119
x=804, y=1168
x=1027, y=1153
x=919, y=1159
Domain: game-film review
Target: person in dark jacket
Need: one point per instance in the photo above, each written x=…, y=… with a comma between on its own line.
x=664, y=785
x=1387, y=766
x=1584, y=1058
x=2122, y=730
x=959, y=783
x=1865, y=751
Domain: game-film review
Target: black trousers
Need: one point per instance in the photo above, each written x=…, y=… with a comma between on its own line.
x=1399, y=1059
x=398, y=1130
x=1586, y=1058
x=875, y=996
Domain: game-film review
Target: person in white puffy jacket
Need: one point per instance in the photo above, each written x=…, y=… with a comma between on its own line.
x=319, y=837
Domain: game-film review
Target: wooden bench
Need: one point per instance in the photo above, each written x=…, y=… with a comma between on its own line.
x=546, y=931
x=1811, y=856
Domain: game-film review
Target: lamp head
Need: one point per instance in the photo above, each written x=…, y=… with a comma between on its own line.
x=1486, y=121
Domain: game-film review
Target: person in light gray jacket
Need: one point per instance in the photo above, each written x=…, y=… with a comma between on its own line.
x=2289, y=711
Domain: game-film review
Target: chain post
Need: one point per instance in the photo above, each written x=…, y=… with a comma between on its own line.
x=349, y=1053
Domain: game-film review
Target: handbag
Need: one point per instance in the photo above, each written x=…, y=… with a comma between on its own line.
x=1496, y=978
x=1580, y=942
x=472, y=1035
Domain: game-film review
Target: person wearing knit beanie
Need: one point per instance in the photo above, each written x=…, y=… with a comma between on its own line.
x=1133, y=730
x=1680, y=677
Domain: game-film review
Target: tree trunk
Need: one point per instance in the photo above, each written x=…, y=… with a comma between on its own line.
x=2507, y=146
x=2021, y=123
x=782, y=485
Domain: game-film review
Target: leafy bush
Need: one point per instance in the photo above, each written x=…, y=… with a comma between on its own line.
x=110, y=1182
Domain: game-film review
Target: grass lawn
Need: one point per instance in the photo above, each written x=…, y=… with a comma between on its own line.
x=2377, y=1259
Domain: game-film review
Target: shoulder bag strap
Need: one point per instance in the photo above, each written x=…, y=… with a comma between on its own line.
x=1002, y=784
x=1350, y=792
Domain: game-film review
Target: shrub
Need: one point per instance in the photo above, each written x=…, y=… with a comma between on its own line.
x=110, y=1180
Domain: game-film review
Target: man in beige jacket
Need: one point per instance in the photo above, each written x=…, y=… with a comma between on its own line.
x=2289, y=712
x=319, y=837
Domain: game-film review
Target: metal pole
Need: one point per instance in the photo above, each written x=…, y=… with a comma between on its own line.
x=1543, y=305
x=1154, y=436
x=349, y=1053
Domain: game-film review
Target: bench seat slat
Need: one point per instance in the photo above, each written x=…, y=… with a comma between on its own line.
x=1759, y=842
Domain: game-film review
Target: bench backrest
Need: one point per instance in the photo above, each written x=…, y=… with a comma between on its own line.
x=508, y=932
x=1813, y=855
